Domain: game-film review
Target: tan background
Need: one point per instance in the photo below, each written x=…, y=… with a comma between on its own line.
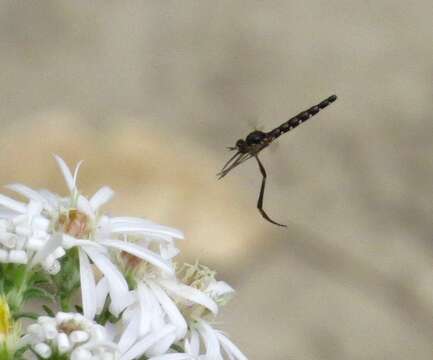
x=149, y=94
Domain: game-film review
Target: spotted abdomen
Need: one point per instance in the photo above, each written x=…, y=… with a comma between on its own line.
x=301, y=117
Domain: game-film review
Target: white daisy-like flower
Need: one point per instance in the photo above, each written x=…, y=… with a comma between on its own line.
x=24, y=236
x=76, y=221
x=153, y=308
x=70, y=334
x=216, y=346
x=202, y=340
x=162, y=300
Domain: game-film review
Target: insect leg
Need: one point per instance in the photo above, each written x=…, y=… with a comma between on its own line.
x=262, y=193
x=230, y=166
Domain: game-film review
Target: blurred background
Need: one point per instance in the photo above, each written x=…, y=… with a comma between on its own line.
x=150, y=93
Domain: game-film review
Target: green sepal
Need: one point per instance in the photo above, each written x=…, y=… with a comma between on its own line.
x=27, y=315
x=48, y=311
x=38, y=293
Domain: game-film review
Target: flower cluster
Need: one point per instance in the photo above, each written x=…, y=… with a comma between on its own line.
x=135, y=301
x=70, y=334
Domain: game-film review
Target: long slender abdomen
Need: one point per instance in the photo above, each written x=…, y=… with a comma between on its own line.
x=301, y=117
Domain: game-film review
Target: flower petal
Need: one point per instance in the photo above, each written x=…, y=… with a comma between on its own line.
x=162, y=345
x=88, y=286
x=102, y=289
x=69, y=179
x=141, y=346
x=138, y=225
x=140, y=252
x=191, y=294
x=119, y=293
x=175, y=356
x=77, y=168
x=219, y=288
x=84, y=206
x=229, y=347
x=170, y=309
x=7, y=213
x=49, y=247
x=51, y=198
x=69, y=241
x=12, y=204
x=210, y=339
x=30, y=194
x=129, y=335
x=102, y=196
x=146, y=308
x=193, y=345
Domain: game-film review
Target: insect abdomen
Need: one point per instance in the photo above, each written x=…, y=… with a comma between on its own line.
x=301, y=117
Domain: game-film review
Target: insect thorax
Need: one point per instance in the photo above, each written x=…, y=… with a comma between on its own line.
x=253, y=143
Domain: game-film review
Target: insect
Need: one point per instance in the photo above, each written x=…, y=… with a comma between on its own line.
x=257, y=140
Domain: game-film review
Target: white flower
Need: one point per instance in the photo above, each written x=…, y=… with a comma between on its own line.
x=153, y=309
x=202, y=341
x=72, y=334
x=24, y=236
x=126, y=267
x=162, y=300
x=75, y=221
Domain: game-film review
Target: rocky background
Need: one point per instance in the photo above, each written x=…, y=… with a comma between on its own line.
x=149, y=94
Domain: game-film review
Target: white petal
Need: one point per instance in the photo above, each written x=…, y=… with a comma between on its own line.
x=30, y=194
x=49, y=247
x=190, y=293
x=140, y=252
x=43, y=350
x=162, y=345
x=219, y=288
x=69, y=179
x=81, y=353
x=146, y=309
x=101, y=294
x=210, y=340
x=170, y=309
x=51, y=198
x=18, y=257
x=79, y=336
x=69, y=241
x=7, y=213
x=13, y=204
x=129, y=335
x=229, y=347
x=63, y=343
x=194, y=343
x=110, y=331
x=176, y=356
x=168, y=250
x=129, y=219
x=84, y=206
x=131, y=224
x=102, y=196
x=140, y=347
x=88, y=286
x=34, y=208
x=119, y=292
x=157, y=315
x=77, y=168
